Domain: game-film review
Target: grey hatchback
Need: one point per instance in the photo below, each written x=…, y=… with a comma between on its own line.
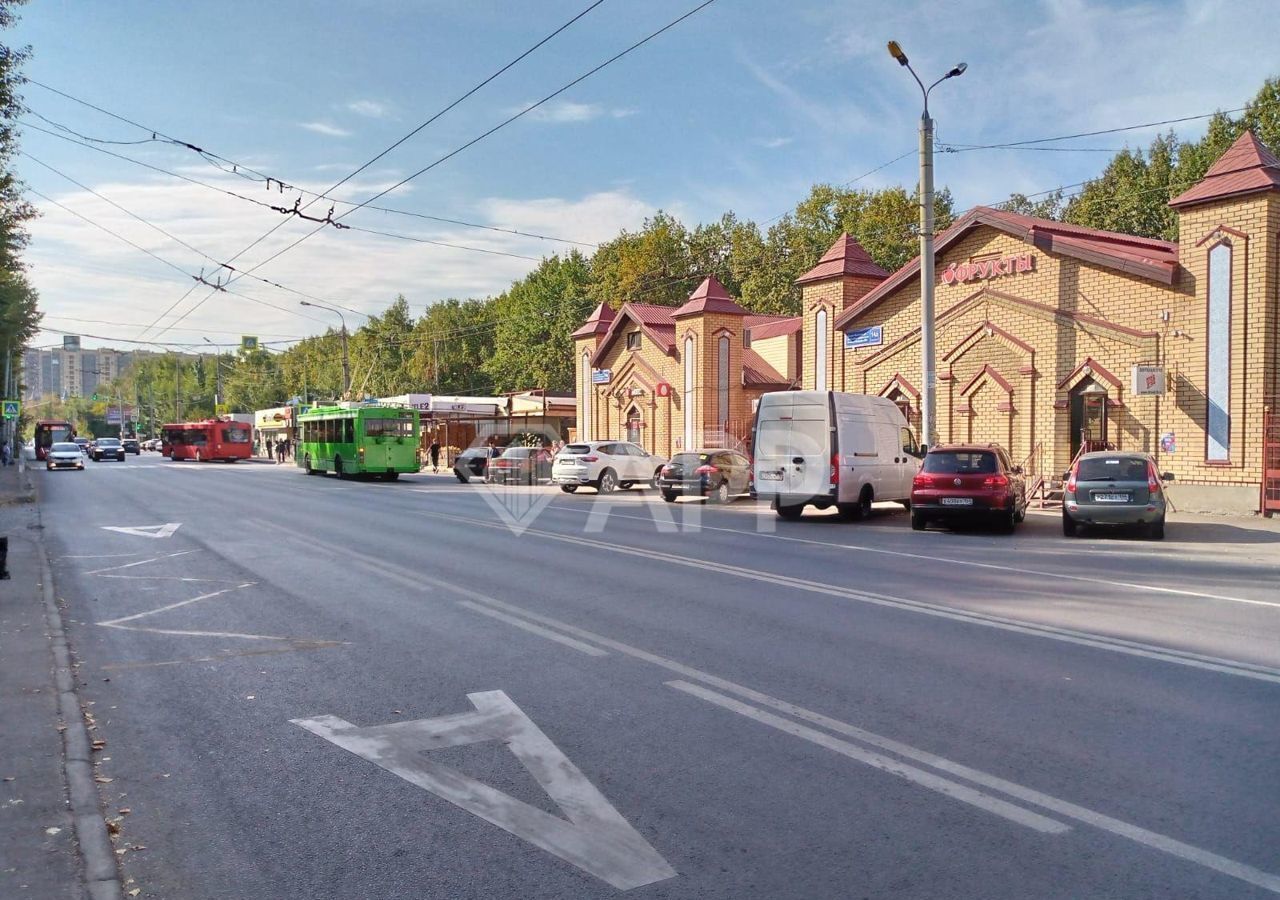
x=1114, y=488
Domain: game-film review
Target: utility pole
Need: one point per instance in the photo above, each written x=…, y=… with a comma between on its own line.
x=928, y=390
x=177, y=390
x=217, y=378
x=346, y=359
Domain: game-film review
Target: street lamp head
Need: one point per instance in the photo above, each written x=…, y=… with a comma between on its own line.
x=896, y=52
x=303, y=303
x=958, y=70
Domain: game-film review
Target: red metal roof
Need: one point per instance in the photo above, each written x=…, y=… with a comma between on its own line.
x=710, y=296
x=758, y=373
x=845, y=257
x=655, y=321
x=1246, y=168
x=762, y=327
x=597, y=323
x=1146, y=257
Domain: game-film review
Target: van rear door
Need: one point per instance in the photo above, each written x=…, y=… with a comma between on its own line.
x=793, y=445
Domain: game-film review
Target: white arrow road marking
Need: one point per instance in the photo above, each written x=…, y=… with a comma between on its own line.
x=147, y=531
x=596, y=838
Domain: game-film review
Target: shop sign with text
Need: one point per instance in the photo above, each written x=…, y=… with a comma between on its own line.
x=986, y=269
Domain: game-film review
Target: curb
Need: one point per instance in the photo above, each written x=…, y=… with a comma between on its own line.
x=102, y=878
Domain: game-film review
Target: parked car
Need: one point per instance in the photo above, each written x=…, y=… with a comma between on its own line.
x=131, y=446
x=1114, y=488
x=717, y=474
x=83, y=444
x=64, y=455
x=523, y=465
x=605, y=465
x=474, y=462
x=965, y=482
x=827, y=448
x=107, y=448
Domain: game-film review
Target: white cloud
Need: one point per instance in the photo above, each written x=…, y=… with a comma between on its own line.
x=567, y=111
x=775, y=142
x=372, y=109
x=81, y=271
x=325, y=128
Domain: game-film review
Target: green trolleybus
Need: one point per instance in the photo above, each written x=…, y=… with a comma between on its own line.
x=358, y=440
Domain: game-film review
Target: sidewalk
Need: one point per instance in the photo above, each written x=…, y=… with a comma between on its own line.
x=39, y=854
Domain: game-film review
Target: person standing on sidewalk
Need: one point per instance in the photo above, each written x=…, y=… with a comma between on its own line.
x=434, y=450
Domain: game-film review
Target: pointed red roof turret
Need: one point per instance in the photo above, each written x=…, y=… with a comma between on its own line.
x=597, y=323
x=710, y=296
x=845, y=257
x=1246, y=168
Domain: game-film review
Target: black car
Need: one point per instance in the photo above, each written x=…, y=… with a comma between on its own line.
x=131, y=446
x=474, y=462
x=716, y=474
x=107, y=448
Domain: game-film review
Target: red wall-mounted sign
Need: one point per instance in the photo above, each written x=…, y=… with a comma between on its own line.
x=985, y=269
x=662, y=389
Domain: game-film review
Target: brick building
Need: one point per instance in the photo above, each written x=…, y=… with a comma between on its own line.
x=1049, y=336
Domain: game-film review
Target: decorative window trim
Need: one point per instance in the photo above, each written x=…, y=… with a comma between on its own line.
x=1209, y=347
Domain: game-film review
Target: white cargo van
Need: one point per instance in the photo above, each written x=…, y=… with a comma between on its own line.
x=828, y=449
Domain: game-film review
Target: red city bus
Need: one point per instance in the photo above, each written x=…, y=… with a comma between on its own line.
x=211, y=439
x=50, y=432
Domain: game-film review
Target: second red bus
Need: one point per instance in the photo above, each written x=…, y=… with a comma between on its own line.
x=212, y=439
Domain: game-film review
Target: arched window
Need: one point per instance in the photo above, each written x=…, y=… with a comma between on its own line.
x=821, y=339
x=587, y=389
x=1218, y=356
x=722, y=384
x=689, y=388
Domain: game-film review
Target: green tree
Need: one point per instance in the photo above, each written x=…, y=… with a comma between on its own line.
x=451, y=343
x=535, y=319
x=381, y=354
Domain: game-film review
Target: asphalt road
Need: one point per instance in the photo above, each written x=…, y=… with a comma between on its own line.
x=706, y=702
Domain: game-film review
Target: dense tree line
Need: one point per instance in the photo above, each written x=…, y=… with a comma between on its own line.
x=520, y=338
x=19, y=318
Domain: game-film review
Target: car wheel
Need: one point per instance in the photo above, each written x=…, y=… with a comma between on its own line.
x=721, y=493
x=657, y=473
x=918, y=522
x=462, y=478
x=1069, y=528
x=392, y=476
x=669, y=496
x=1155, y=530
x=789, y=513
x=607, y=483
x=568, y=488
x=306, y=465
x=173, y=455
x=1009, y=521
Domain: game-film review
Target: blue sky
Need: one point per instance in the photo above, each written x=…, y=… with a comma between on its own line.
x=740, y=107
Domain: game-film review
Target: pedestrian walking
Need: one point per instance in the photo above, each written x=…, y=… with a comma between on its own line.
x=4, y=453
x=434, y=450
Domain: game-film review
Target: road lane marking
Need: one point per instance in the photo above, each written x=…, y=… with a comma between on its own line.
x=533, y=629
x=295, y=646
x=1135, y=833
x=147, y=531
x=596, y=838
x=920, y=777
x=141, y=562
x=958, y=562
x=1064, y=635
x=113, y=623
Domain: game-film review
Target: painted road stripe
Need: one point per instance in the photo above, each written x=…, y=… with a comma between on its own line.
x=999, y=567
x=112, y=623
x=1135, y=833
x=1065, y=635
x=533, y=629
x=920, y=777
x=1103, y=822
x=141, y=562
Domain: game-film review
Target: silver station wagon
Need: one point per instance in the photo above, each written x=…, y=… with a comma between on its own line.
x=1113, y=488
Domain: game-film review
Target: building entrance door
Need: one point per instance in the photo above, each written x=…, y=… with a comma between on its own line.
x=633, y=425
x=1088, y=417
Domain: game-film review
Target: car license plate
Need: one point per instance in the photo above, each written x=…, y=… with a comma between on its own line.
x=957, y=501
x=1111, y=498
x=770, y=476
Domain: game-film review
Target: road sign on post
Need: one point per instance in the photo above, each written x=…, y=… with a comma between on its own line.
x=248, y=342
x=11, y=408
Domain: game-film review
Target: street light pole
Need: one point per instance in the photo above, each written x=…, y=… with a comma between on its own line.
x=217, y=377
x=928, y=390
x=346, y=359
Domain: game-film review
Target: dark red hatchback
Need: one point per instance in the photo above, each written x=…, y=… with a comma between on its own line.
x=967, y=482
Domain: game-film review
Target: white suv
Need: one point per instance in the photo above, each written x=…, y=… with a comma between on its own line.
x=604, y=465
